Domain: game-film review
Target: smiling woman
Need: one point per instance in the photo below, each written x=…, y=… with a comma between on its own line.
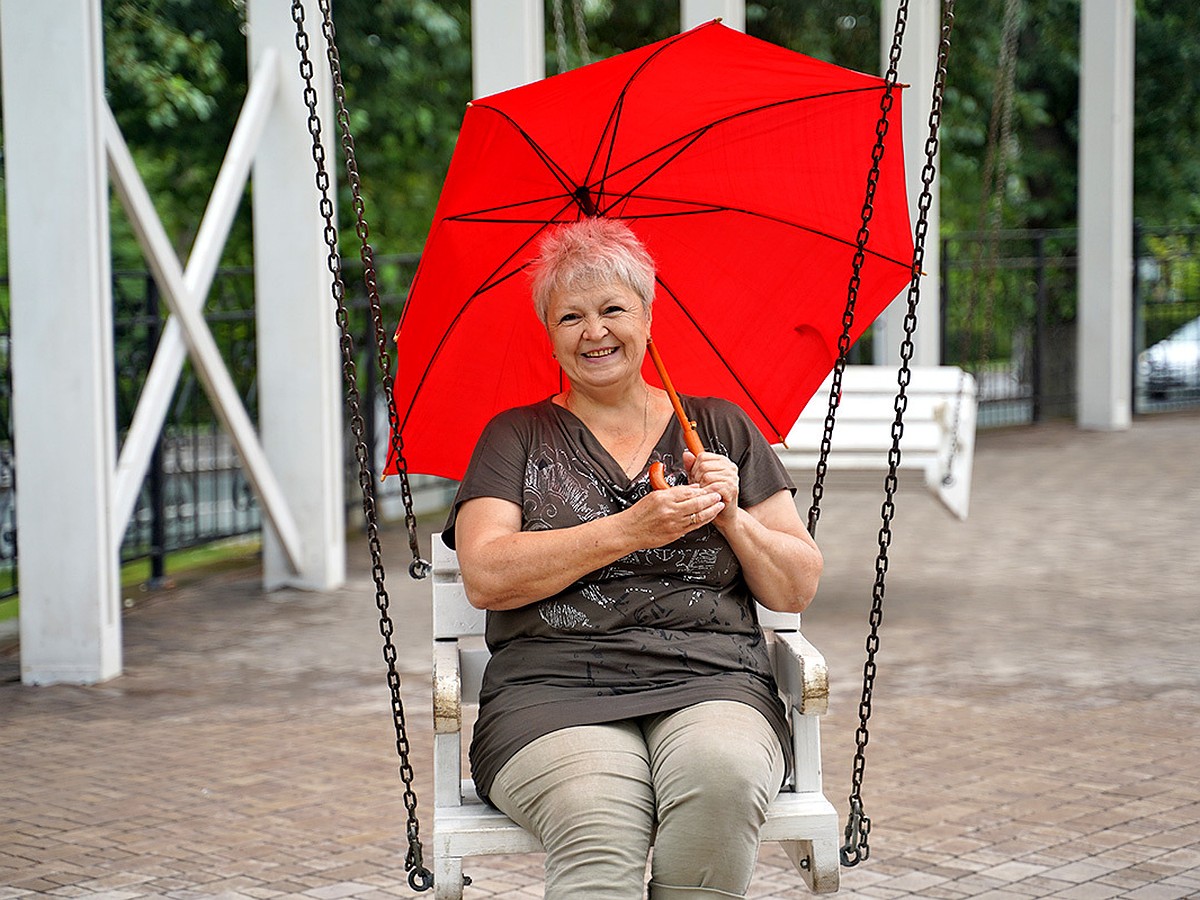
x=627, y=661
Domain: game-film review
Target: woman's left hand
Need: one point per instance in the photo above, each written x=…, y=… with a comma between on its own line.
x=718, y=473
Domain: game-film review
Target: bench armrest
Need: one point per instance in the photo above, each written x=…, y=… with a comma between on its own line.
x=447, y=688
x=800, y=672
x=447, y=724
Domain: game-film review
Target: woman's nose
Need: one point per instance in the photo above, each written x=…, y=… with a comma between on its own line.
x=594, y=328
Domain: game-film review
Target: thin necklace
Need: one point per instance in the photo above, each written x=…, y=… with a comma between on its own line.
x=645, y=428
x=645, y=433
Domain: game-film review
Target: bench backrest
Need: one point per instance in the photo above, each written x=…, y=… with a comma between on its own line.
x=939, y=428
x=867, y=409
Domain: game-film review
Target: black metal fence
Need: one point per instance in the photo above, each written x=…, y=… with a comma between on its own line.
x=1008, y=315
x=1009, y=302
x=195, y=492
x=1166, y=323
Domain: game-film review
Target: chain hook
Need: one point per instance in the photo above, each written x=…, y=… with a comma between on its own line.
x=858, y=827
x=419, y=877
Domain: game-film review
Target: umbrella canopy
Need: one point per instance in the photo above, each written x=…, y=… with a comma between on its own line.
x=741, y=166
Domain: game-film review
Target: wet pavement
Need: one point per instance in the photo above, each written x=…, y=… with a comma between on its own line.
x=1035, y=727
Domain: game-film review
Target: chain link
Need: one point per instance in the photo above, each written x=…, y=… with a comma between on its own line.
x=858, y=827
x=886, y=101
x=419, y=877
x=560, y=36
x=581, y=36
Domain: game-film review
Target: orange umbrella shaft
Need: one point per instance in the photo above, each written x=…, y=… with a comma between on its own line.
x=690, y=437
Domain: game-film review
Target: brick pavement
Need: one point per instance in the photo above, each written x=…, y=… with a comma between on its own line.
x=1035, y=724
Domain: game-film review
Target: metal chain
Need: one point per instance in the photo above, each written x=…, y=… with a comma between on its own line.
x=991, y=207
x=886, y=100
x=418, y=568
x=858, y=826
x=419, y=878
x=560, y=36
x=581, y=37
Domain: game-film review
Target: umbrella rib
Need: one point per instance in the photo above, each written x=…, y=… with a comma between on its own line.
x=609, y=135
x=689, y=139
x=706, y=208
x=716, y=352
x=488, y=283
x=557, y=171
x=470, y=215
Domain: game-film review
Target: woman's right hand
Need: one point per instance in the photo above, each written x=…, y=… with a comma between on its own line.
x=663, y=516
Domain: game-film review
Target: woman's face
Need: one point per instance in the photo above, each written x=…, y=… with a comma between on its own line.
x=598, y=333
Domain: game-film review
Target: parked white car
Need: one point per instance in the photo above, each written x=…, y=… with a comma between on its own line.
x=1174, y=362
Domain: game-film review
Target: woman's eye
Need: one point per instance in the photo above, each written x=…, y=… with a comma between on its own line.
x=613, y=310
x=568, y=319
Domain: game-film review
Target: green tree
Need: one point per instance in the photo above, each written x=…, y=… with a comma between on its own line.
x=1042, y=185
x=176, y=76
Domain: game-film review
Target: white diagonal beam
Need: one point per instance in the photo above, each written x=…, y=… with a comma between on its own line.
x=156, y=394
x=210, y=367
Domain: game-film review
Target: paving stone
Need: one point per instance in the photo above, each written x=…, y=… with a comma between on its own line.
x=1033, y=732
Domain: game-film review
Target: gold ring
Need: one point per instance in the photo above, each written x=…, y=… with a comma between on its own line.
x=694, y=519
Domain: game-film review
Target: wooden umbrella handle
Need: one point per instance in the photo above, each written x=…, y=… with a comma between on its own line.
x=657, y=480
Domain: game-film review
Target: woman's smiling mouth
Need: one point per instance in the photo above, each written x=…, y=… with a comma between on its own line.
x=598, y=354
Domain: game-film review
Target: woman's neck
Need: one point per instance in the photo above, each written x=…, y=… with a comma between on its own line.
x=614, y=405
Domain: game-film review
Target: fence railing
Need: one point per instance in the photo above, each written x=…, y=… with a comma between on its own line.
x=1009, y=303
x=195, y=492
x=1008, y=314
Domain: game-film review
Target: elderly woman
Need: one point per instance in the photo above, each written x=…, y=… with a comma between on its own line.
x=629, y=696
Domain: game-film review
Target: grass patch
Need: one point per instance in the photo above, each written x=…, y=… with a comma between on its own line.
x=196, y=562
x=182, y=566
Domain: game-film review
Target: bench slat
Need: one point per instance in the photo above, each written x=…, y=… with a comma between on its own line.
x=939, y=399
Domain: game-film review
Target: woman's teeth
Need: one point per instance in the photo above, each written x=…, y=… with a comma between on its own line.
x=596, y=354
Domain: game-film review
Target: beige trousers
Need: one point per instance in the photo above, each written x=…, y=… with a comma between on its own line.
x=697, y=782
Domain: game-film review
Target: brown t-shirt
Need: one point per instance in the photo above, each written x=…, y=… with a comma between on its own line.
x=657, y=630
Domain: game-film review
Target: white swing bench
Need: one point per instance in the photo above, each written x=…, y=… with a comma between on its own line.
x=800, y=818
x=939, y=428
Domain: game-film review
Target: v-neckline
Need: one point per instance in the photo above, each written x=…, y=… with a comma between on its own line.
x=604, y=460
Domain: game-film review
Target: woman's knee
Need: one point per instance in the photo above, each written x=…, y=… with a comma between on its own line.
x=723, y=755
x=586, y=794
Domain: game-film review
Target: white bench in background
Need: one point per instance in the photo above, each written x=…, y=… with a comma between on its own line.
x=800, y=818
x=939, y=398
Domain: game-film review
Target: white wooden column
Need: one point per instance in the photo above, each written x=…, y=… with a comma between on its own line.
x=299, y=373
x=732, y=13
x=918, y=68
x=63, y=400
x=1105, y=214
x=508, y=44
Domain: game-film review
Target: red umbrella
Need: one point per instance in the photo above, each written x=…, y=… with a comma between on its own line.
x=742, y=167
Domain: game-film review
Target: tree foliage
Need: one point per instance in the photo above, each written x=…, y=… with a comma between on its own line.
x=176, y=75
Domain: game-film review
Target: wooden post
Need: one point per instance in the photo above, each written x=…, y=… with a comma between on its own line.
x=63, y=398
x=508, y=44
x=1105, y=354
x=299, y=372
x=732, y=13
x=918, y=68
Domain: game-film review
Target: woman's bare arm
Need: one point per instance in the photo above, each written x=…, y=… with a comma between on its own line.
x=504, y=567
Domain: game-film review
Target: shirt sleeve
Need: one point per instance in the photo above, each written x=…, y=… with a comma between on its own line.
x=497, y=466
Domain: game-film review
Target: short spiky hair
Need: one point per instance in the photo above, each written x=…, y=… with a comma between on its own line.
x=588, y=252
